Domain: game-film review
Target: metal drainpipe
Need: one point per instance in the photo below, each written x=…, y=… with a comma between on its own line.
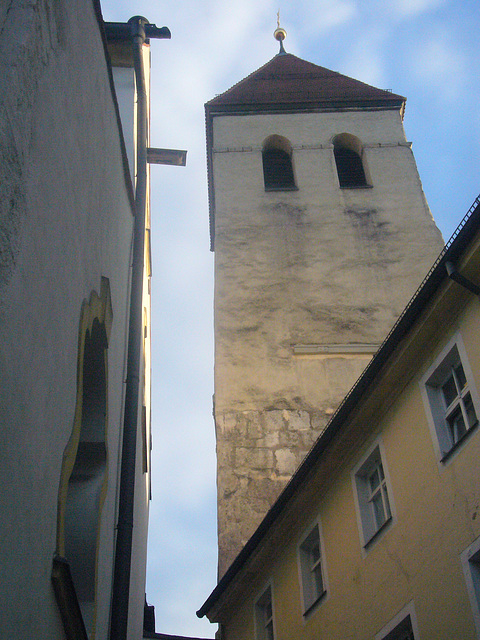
x=140, y=29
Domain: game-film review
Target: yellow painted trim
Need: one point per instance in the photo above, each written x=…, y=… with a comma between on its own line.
x=97, y=307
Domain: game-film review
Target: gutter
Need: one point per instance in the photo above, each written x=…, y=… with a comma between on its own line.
x=452, y=251
x=139, y=29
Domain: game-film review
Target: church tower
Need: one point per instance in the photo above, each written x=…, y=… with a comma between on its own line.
x=321, y=234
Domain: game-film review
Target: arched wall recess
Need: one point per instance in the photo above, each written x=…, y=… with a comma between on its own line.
x=277, y=164
x=349, y=160
x=83, y=476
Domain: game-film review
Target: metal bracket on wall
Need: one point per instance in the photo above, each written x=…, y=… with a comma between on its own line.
x=173, y=157
x=453, y=274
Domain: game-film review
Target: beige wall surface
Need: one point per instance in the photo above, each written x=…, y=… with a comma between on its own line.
x=65, y=222
x=320, y=266
x=417, y=558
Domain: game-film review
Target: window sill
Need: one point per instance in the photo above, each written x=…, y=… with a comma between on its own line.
x=314, y=604
x=357, y=186
x=447, y=454
x=372, y=539
x=281, y=188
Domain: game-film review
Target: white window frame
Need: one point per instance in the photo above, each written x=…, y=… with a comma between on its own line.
x=439, y=416
x=264, y=614
x=407, y=612
x=310, y=569
x=366, y=500
x=470, y=560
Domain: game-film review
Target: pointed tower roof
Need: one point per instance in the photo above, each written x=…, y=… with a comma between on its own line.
x=288, y=82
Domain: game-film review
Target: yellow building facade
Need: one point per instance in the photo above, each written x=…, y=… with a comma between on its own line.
x=377, y=535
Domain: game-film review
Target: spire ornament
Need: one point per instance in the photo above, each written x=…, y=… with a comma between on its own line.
x=280, y=34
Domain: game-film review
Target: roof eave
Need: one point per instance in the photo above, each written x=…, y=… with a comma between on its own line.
x=311, y=106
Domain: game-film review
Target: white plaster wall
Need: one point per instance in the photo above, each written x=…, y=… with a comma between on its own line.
x=320, y=265
x=124, y=79
x=66, y=221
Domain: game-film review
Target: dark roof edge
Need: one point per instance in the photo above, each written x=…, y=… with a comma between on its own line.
x=455, y=246
x=312, y=106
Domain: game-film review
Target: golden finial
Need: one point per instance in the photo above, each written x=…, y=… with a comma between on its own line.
x=280, y=34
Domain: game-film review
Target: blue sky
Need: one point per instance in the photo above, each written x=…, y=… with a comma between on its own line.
x=426, y=50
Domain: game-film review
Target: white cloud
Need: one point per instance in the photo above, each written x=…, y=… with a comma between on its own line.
x=439, y=65
x=321, y=16
x=412, y=8
x=365, y=58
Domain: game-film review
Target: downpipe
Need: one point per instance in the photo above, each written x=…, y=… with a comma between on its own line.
x=140, y=29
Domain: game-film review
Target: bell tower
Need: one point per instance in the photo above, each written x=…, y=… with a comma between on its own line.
x=321, y=234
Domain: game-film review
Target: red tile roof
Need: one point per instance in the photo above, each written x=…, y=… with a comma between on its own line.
x=290, y=82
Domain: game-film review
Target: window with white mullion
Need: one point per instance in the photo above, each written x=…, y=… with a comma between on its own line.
x=451, y=399
x=310, y=552
x=268, y=621
x=374, y=501
x=459, y=410
x=378, y=497
x=316, y=569
x=264, y=616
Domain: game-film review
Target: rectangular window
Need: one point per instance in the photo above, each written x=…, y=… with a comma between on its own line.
x=403, y=631
x=448, y=389
x=373, y=495
x=378, y=495
x=311, y=568
x=264, y=616
x=471, y=568
x=402, y=627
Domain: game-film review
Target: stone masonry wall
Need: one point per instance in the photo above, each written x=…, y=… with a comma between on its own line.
x=319, y=267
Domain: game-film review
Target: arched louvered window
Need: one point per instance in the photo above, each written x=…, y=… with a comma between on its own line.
x=277, y=164
x=348, y=158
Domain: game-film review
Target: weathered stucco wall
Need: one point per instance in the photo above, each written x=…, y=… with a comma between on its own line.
x=65, y=221
x=320, y=266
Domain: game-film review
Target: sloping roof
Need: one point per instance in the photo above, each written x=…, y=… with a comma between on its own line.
x=453, y=251
x=290, y=82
